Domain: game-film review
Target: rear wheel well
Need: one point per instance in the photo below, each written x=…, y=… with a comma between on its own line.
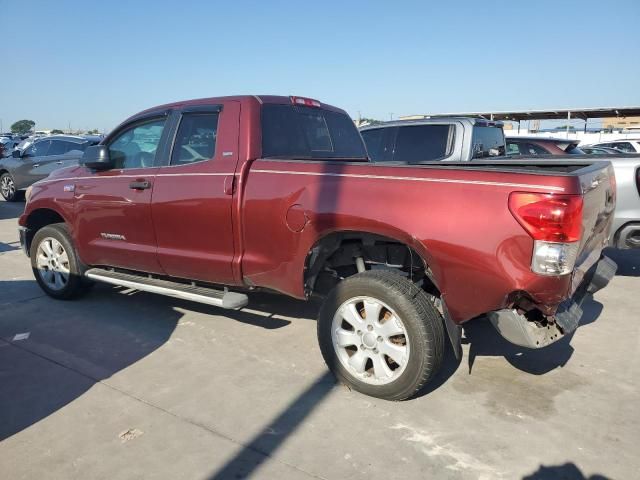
x=343, y=254
x=38, y=219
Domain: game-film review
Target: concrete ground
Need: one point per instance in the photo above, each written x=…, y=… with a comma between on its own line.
x=125, y=384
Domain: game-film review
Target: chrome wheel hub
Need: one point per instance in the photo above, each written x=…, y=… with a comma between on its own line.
x=7, y=187
x=370, y=340
x=52, y=262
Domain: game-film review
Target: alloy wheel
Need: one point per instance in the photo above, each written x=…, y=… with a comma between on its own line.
x=370, y=340
x=53, y=264
x=7, y=187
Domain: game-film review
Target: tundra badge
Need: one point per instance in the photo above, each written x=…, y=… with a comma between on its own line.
x=112, y=236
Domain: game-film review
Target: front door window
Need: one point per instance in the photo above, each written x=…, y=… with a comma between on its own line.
x=137, y=146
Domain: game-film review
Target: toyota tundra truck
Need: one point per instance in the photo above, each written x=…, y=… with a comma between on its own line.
x=208, y=200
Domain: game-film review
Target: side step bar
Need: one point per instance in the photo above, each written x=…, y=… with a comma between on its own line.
x=210, y=296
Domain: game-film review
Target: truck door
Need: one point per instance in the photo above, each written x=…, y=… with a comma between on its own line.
x=193, y=194
x=113, y=222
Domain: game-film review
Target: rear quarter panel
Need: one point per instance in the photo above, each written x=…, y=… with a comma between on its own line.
x=457, y=220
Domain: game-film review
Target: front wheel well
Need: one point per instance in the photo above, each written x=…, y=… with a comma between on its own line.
x=343, y=254
x=38, y=219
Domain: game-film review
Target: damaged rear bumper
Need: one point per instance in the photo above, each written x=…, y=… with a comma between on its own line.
x=517, y=329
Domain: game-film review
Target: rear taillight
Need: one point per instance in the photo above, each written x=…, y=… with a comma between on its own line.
x=306, y=102
x=555, y=223
x=553, y=218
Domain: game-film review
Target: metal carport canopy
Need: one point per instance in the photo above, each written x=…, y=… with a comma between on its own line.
x=555, y=114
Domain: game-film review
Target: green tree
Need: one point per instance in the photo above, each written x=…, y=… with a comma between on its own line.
x=368, y=121
x=55, y=131
x=22, y=126
x=95, y=131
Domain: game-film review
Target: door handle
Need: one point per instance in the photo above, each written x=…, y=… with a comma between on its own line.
x=36, y=165
x=140, y=185
x=59, y=163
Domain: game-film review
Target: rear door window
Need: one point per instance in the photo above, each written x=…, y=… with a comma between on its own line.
x=423, y=143
x=305, y=132
x=39, y=149
x=196, y=138
x=60, y=147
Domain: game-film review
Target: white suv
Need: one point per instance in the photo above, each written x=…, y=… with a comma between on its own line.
x=626, y=146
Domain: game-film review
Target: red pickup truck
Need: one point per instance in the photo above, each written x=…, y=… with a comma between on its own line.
x=210, y=199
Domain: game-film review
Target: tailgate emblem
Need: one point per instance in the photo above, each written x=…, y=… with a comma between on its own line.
x=69, y=188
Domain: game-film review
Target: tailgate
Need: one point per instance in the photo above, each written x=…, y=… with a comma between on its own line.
x=598, y=190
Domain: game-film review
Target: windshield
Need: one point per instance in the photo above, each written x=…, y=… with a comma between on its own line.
x=305, y=132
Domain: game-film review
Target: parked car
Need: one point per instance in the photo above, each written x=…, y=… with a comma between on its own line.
x=591, y=150
x=25, y=142
x=7, y=144
x=207, y=199
x=464, y=140
x=38, y=160
x=542, y=146
x=625, y=146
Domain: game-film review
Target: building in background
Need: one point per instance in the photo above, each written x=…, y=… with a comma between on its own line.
x=620, y=123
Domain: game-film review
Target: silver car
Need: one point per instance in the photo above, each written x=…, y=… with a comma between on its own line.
x=38, y=160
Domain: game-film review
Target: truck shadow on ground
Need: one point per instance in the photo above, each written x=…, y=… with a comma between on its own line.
x=484, y=340
x=53, y=352
x=8, y=247
x=10, y=210
x=568, y=471
x=628, y=261
x=266, y=310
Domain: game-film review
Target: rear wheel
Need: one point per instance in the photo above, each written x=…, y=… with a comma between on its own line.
x=381, y=335
x=8, y=188
x=55, y=263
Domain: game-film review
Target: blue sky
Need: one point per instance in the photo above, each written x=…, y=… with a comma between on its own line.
x=94, y=63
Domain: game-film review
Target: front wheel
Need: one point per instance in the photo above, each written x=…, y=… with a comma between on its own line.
x=55, y=263
x=380, y=335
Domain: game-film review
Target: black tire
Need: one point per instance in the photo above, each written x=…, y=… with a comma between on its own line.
x=11, y=195
x=422, y=322
x=76, y=285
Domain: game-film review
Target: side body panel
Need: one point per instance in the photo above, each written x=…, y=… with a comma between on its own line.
x=457, y=220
